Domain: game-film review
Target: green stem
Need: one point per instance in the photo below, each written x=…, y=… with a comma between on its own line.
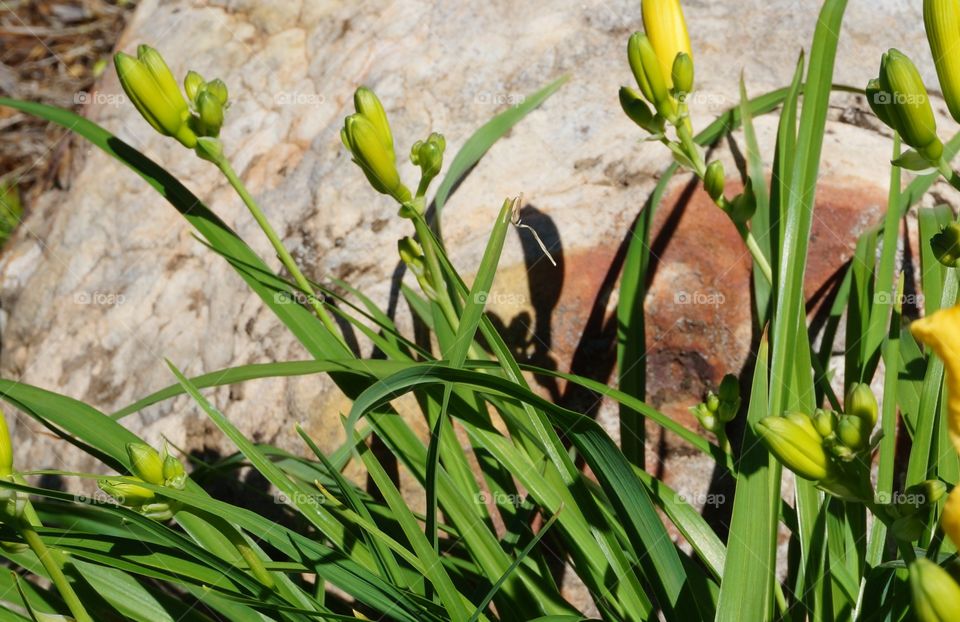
x=53, y=568
x=224, y=165
x=692, y=151
x=436, y=275
x=755, y=251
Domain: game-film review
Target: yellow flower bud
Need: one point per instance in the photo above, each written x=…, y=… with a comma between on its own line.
x=368, y=104
x=942, y=21
x=127, y=493
x=792, y=444
x=173, y=473
x=363, y=140
x=854, y=432
x=825, y=421
x=145, y=463
x=148, y=83
x=941, y=332
x=936, y=595
x=665, y=26
x=860, y=402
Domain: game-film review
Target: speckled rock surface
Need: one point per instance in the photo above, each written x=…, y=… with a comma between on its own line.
x=104, y=280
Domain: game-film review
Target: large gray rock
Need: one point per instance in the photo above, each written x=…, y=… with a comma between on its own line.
x=104, y=279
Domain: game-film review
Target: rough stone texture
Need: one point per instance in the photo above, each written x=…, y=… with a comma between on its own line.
x=105, y=279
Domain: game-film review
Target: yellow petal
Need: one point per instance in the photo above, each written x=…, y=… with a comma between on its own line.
x=950, y=520
x=941, y=332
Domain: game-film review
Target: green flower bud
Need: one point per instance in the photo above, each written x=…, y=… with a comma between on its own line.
x=854, y=432
x=946, y=245
x=218, y=88
x=825, y=421
x=127, y=493
x=192, y=85
x=148, y=83
x=173, y=473
x=368, y=104
x=921, y=496
x=363, y=140
x=860, y=402
x=159, y=511
x=636, y=66
x=145, y=463
x=744, y=206
x=942, y=21
x=879, y=101
x=729, y=398
x=707, y=419
x=638, y=110
x=714, y=180
x=654, y=79
x=794, y=447
x=912, y=114
x=211, y=114
x=936, y=595
x=14, y=547
x=712, y=402
x=682, y=74
x=428, y=155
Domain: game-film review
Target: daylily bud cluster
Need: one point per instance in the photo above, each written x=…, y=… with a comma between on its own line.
x=151, y=467
x=819, y=447
x=367, y=135
x=719, y=409
x=150, y=85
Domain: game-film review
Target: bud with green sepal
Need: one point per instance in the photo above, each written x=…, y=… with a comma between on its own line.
x=428, y=155
x=218, y=88
x=854, y=432
x=151, y=87
x=127, y=493
x=742, y=208
x=706, y=417
x=905, y=104
x=367, y=135
x=209, y=118
x=666, y=28
x=729, y=395
x=714, y=180
x=946, y=245
x=192, y=84
x=646, y=69
x=825, y=421
x=639, y=112
x=145, y=463
x=861, y=402
x=682, y=74
x=173, y=472
x=936, y=594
